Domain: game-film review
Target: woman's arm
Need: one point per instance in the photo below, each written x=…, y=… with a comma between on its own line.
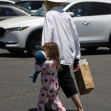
x=47, y=30
x=76, y=41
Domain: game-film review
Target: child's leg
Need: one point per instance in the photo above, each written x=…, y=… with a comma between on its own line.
x=57, y=103
x=41, y=101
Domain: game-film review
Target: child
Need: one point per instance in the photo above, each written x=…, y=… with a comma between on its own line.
x=49, y=78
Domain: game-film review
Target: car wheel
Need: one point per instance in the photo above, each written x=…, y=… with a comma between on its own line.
x=34, y=44
x=16, y=51
x=91, y=48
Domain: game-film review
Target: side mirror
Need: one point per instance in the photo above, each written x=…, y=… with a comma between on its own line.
x=71, y=14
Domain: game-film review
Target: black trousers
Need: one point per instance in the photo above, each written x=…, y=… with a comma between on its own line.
x=66, y=81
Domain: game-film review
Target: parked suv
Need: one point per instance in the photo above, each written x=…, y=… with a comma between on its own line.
x=92, y=19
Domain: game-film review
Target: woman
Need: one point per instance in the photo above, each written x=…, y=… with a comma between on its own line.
x=60, y=28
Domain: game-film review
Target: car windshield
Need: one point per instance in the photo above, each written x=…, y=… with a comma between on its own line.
x=25, y=9
x=30, y=4
x=41, y=11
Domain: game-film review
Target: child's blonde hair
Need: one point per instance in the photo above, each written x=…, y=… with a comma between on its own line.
x=52, y=52
x=49, y=5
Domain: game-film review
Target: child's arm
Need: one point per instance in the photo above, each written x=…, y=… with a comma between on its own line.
x=38, y=68
x=45, y=65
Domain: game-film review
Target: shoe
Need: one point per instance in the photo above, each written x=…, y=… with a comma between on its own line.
x=46, y=109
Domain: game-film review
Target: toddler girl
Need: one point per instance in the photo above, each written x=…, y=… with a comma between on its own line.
x=49, y=78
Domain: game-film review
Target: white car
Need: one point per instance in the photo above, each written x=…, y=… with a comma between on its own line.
x=92, y=19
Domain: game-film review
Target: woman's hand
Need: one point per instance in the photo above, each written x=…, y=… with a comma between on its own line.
x=75, y=65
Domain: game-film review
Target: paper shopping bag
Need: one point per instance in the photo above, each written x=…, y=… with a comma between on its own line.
x=84, y=80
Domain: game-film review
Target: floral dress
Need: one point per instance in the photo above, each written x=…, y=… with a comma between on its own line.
x=49, y=88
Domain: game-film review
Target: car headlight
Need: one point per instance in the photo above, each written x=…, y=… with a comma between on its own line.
x=17, y=28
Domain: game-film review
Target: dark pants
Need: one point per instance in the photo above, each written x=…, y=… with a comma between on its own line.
x=66, y=81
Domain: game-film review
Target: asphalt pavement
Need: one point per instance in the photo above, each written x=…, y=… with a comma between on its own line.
x=18, y=93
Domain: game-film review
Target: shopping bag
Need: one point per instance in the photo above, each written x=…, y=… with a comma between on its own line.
x=84, y=79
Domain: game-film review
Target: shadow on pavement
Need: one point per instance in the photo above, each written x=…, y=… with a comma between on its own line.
x=35, y=109
x=9, y=55
x=96, y=52
x=101, y=51
x=32, y=109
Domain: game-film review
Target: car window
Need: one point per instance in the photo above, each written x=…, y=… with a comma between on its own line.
x=25, y=9
x=110, y=8
x=99, y=8
x=32, y=5
x=39, y=12
x=64, y=4
x=79, y=9
x=7, y=12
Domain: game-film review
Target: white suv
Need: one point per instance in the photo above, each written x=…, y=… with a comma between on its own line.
x=92, y=19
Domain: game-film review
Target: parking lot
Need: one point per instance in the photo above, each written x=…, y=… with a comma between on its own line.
x=18, y=93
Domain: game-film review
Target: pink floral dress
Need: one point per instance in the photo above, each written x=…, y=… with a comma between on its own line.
x=49, y=88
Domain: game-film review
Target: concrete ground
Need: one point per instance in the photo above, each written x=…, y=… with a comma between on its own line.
x=18, y=93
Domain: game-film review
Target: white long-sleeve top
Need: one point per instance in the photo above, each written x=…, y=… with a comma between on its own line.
x=60, y=28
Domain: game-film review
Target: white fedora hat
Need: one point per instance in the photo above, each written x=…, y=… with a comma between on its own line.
x=59, y=1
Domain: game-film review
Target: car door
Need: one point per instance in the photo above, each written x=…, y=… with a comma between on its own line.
x=81, y=20
x=100, y=17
